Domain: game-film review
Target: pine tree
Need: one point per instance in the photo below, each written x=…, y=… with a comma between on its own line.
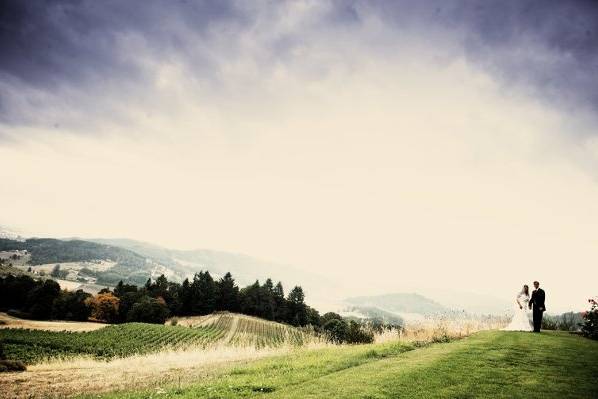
x=186, y=297
x=203, y=293
x=228, y=294
x=297, y=310
x=268, y=302
x=281, y=305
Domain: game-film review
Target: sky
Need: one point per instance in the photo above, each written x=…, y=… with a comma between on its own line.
x=386, y=145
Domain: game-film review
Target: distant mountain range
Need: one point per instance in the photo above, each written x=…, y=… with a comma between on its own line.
x=245, y=269
x=413, y=306
x=104, y=262
x=400, y=303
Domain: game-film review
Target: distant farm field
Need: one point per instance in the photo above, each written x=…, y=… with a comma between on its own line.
x=7, y=321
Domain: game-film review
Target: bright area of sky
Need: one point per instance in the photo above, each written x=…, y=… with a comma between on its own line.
x=386, y=167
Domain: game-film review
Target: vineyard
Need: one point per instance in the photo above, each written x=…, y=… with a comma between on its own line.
x=32, y=346
x=252, y=331
x=122, y=340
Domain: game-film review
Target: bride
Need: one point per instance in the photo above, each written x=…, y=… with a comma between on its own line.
x=520, y=321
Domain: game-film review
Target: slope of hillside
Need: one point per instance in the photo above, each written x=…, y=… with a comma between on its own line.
x=50, y=250
x=491, y=364
x=122, y=340
x=243, y=330
x=246, y=269
x=400, y=303
x=89, y=262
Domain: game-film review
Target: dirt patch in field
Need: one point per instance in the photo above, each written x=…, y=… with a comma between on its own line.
x=7, y=321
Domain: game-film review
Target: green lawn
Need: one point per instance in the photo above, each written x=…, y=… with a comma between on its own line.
x=487, y=365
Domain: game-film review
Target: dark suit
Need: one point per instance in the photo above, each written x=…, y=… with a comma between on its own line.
x=537, y=301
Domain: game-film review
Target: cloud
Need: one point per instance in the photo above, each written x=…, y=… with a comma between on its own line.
x=416, y=139
x=76, y=64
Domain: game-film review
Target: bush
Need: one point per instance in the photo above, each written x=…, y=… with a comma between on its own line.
x=104, y=307
x=11, y=365
x=148, y=310
x=174, y=321
x=339, y=331
x=336, y=330
x=357, y=334
x=19, y=314
x=549, y=323
x=72, y=306
x=590, y=326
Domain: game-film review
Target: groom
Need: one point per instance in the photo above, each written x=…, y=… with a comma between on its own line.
x=537, y=300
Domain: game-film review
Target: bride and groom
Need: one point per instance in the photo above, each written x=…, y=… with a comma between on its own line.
x=521, y=321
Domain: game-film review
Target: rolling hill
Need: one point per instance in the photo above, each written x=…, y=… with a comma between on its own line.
x=121, y=340
x=246, y=269
x=400, y=303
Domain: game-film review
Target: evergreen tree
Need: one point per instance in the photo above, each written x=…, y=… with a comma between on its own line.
x=41, y=299
x=281, y=304
x=203, y=293
x=250, y=299
x=297, y=310
x=268, y=303
x=228, y=294
x=186, y=297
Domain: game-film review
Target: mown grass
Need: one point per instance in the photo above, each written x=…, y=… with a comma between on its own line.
x=486, y=365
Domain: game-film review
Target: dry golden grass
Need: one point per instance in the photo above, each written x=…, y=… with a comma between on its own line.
x=7, y=321
x=60, y=378
x=441, y=328
x=69, y=377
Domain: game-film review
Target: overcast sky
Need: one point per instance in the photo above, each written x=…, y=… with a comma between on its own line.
x=389, y=145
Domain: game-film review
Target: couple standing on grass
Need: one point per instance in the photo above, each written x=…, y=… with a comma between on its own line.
x=521, y=321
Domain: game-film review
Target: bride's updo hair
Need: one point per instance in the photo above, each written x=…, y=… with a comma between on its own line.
x=525, y=290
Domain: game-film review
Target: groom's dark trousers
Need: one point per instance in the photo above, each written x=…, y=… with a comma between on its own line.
x=537, y=301
x=537, y=319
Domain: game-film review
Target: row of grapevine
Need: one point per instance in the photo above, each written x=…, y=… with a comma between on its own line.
x=250, y=331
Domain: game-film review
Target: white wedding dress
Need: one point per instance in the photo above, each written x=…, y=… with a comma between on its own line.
x=521, y=320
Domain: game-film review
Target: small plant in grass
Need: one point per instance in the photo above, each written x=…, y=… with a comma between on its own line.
x=590, y=325
x=174, y=321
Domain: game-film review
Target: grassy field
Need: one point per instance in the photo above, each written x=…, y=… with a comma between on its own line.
x=491, y=364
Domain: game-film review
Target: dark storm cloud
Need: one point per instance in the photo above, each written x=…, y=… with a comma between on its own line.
x=45, y=42
x=55, y=53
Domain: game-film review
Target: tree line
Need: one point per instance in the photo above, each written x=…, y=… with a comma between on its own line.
x=156, y=300
x=159, y=299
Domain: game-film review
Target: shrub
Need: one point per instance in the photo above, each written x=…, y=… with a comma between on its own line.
x=336, y=330
x=174, y=321
x=72, y=306
x=18, y=314
x=148, y=310
x=590, y=326
x=549, y=323
x=11, y=365
x=104, y=307
x=357, y=334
